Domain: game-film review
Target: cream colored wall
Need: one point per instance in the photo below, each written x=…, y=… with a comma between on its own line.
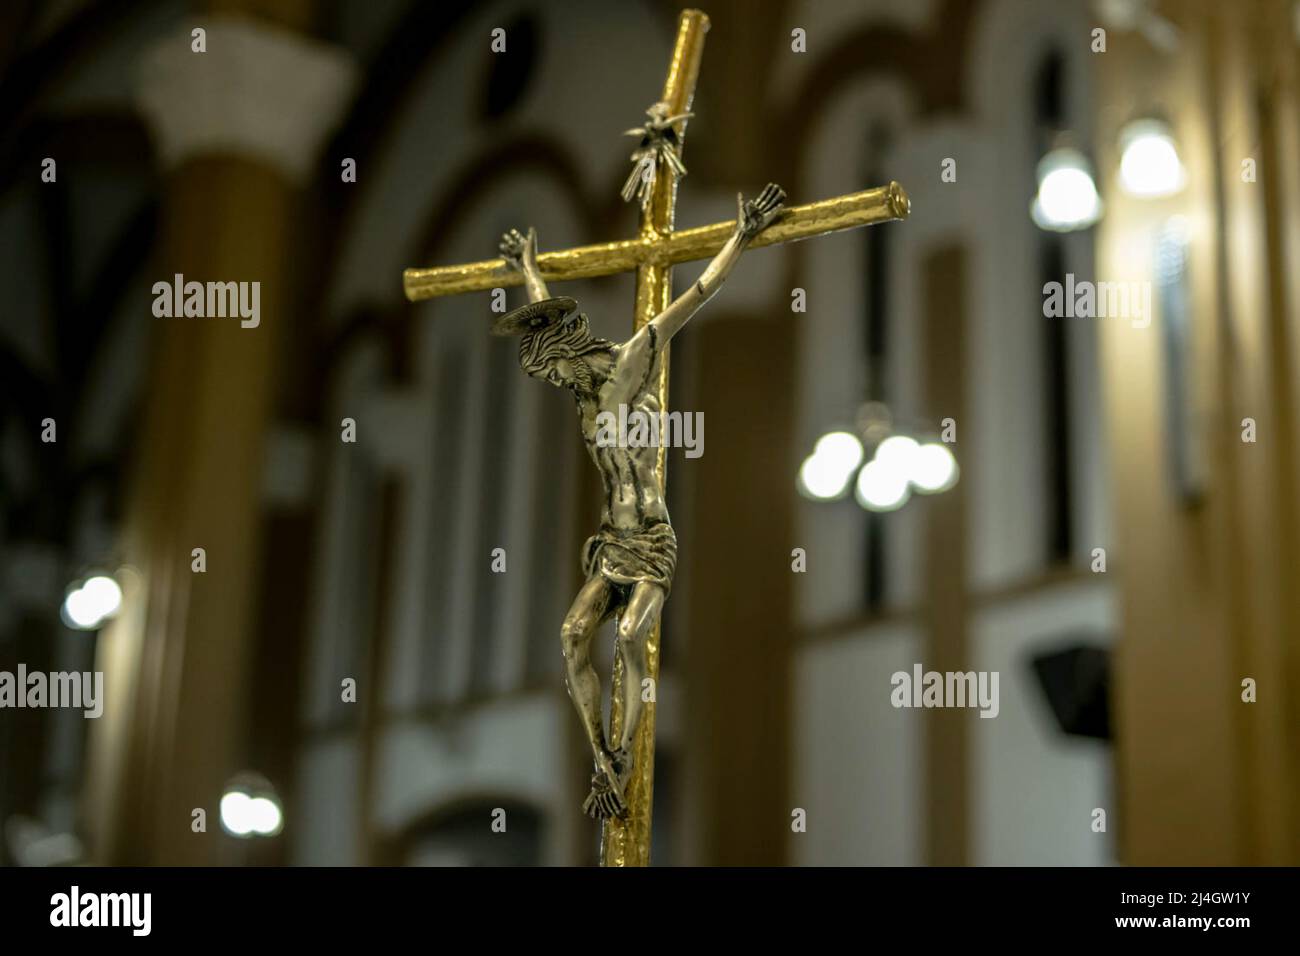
x=1029, y=790
x=1207, y=594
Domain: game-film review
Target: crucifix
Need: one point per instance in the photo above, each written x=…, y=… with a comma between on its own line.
x=629, y=562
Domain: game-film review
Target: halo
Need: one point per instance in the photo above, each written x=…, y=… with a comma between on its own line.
x=535, y=316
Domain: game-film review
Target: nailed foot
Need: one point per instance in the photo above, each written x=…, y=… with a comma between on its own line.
x=606, y=799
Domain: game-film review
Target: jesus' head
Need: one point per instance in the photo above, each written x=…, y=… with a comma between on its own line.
x=557, y=345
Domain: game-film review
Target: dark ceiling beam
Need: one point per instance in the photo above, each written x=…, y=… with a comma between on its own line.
x=36, y=71
x=84, y=326
x=16, y=19
x=115, y=140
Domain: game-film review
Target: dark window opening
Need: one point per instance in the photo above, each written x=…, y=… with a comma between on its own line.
x=1050, y=117
x=510, y=73
x=875, y=277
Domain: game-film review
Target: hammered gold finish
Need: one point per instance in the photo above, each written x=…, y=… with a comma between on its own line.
x=871, y=206
x=626, y=841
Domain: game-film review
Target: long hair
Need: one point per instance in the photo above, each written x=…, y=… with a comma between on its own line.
x=568, y=340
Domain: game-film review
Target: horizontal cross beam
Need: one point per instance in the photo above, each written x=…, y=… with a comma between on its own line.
x=882, y=204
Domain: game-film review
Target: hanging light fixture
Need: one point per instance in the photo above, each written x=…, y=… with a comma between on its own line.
x=1149, y=166
x=826, y=473
x=250, y=807
x=899, y=465
x=88, y=603
x=1067, y=197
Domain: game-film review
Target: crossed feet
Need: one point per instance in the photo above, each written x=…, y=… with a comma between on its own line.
x=608, y=784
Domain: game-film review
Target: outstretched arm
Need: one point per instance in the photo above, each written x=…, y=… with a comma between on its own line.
x=752, y=217
x=521, y=253
x=638, y=354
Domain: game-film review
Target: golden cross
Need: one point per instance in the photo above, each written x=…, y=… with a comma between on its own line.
x=626, y=841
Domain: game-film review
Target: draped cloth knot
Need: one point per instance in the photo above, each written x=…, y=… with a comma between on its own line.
x=629, y=557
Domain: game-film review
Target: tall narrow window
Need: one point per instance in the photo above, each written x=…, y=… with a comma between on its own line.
x=875, y=338
x=449, y=439
x=548, y=593
x=1059, y=499
x=489, y=590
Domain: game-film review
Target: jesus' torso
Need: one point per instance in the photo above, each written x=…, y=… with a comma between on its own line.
x=633, y=496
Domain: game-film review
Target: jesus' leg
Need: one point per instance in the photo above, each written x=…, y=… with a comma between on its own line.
x=634, y=626
x=589, y=609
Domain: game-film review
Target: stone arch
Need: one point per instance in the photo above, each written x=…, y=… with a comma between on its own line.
x=458, y=832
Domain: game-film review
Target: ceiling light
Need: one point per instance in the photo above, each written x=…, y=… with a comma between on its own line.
x=1067, y=195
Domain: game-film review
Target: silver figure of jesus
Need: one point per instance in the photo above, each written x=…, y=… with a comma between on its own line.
x=629, y=562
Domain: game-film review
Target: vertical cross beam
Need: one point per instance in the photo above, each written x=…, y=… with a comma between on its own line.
x=626, y=842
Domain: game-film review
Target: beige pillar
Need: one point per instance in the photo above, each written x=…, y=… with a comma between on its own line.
x=238, y=126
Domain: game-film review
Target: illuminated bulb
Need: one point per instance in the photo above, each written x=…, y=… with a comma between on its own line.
x=104, y=595
x=90, y=604
x=897, y=451
x=822, y=478
x=237, y=814
x=78, y=610
x=1067, y=196
x=264, y=817
x=1149, y=166
x=934, y=469
x=881, y=486
x=841, y=450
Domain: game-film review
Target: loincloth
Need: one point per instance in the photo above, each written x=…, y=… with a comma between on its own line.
x=629, y=557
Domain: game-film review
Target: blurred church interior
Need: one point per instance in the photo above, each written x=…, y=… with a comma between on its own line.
x=1112, y=547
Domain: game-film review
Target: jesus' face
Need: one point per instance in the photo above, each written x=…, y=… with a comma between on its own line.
x=558, y=372
x=567, y=357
